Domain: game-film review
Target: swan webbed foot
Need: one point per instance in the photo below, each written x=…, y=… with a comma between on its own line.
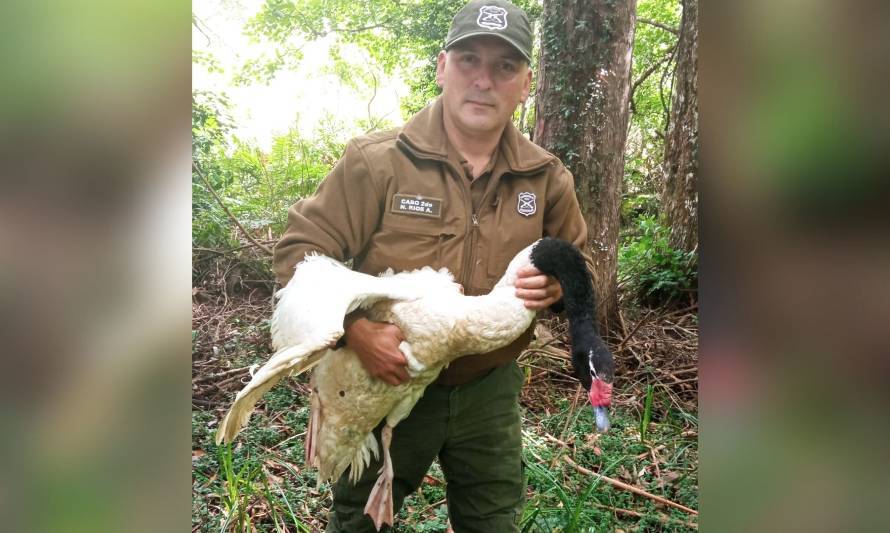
x=380, y=505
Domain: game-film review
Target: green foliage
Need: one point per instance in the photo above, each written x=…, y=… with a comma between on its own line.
x=656, y=273
x=647, y=413
x=652, y=75
x=634, y=206
x=256, y=186
x=402, y=37
x=208, y=60
x=211, y=123
x=255, y=484
x=562, y=499
x=240, y=484
x=653, y=48
x=264, y=185
x=211, y=126
x=263, y=69
x=573, y=511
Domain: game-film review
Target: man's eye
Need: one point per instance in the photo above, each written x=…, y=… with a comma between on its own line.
x=508, y=67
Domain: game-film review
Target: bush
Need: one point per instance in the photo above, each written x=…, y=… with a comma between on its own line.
x=654, y=272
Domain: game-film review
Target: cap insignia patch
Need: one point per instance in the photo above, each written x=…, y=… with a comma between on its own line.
x=492, y=17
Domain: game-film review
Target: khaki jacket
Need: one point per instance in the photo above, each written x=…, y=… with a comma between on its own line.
x=396, y=200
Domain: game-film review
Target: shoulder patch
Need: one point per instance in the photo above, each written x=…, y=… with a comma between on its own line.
x=527, y=205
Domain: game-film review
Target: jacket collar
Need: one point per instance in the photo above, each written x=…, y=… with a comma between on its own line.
x=424, y=135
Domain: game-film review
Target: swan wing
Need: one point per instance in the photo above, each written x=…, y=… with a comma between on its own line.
x=290, y=361
x=307, y=322
x=323, y=291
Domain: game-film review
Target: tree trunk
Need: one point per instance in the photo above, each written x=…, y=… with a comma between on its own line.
x=581, y=115
x=680, y=195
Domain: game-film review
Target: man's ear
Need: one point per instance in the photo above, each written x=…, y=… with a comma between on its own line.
x=440, y=67
x=527, y=85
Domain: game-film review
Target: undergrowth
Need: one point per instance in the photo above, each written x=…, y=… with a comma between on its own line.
x=261, y=483
x=654, y=272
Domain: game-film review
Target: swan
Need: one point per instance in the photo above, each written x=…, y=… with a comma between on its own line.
x=440, y=324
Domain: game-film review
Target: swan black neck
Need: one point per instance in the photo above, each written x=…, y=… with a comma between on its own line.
x=564, y=262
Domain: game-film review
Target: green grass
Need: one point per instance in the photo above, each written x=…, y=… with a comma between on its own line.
x=563, y=499
x=262, y=483
x=647, y=413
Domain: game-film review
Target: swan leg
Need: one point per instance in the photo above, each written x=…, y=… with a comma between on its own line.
x=379, y=506
x=312, y=433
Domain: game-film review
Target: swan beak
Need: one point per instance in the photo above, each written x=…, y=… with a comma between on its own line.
x=600, y=396
x=601, y=415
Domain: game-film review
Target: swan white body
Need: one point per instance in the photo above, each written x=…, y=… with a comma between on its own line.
x=439, y=323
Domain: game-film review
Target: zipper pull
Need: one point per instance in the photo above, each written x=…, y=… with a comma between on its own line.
x=475, y=220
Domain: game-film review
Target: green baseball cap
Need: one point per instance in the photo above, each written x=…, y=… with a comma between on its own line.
x=492, y=17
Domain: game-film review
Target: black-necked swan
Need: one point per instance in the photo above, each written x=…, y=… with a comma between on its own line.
x=439, y=323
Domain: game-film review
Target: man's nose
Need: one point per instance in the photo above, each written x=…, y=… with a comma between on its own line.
x=483, y=78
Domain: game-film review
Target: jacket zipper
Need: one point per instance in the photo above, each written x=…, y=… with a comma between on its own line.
x=468, y=263
x=471, y=253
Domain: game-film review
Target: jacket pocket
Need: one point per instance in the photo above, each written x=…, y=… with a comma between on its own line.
x=511, y=232
x=405, y=247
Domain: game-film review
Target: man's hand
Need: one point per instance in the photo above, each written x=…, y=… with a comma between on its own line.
x=377, y=347
x=537, y=289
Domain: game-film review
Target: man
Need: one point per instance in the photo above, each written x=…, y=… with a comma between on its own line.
x=458, y=187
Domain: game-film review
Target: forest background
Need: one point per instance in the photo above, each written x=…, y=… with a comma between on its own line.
x=99, y=412
x=280, y=86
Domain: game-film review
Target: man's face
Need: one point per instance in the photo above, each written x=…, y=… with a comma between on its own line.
x=483, y=79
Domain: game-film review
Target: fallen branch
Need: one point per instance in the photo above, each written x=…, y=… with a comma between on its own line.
x=205, y=403
x=565, y=428
x=661, y=518
x=430, y=506
x=549, y=370
x=229, y=251
x=229, y=213
x=552, y=353
x=651, y=450
x=634, y=330
x=219, y=385
x=292, y=437
x=683, y=311
x=212, y=377
x=553, y=439
x=630, y=488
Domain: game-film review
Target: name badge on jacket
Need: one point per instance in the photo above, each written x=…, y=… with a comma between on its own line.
x=417, y=205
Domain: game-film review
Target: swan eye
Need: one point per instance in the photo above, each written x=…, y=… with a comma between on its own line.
x=342, y=393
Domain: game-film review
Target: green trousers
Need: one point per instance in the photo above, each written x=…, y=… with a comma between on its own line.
x=475, y=431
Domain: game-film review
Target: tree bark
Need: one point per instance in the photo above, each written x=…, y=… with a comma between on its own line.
x=581, y=115
x=679, y=198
